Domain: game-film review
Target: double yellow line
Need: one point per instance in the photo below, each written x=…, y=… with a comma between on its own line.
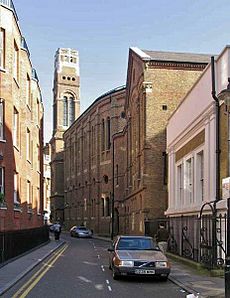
x=31, y=283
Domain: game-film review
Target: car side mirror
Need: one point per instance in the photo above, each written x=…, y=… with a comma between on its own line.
x=110, y=249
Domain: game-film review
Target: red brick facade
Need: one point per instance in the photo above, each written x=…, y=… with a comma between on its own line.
x=21, y=140
x=88, y=162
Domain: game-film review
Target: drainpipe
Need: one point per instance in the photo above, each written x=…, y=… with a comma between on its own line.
x=217, y=132
x=217, y=198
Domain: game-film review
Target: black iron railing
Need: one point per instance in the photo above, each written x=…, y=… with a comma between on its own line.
x=14, y=243
x=192, y=237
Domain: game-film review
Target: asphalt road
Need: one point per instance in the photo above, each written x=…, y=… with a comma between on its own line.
x=80, y=269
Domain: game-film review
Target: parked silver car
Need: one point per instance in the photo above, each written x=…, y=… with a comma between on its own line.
x=80, y=232
x=139, y=256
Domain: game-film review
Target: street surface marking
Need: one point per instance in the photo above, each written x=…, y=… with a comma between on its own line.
x=31, y=283
x=102, y=268
x=99, y=287
x=84, y=279
x=107, y=281
x=90, y=263
x=98, y=256
x=109, y=288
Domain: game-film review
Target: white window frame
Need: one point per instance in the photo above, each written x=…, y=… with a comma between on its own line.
x=199, y=175
x=16, y=201
x=189, y=180
x=16, y=61
x=28, y=144
x=15, y=127
x=180, y=184
x=2, y=47
x=28, y=95
x=1, y=120
x=29, y=192
x=38, y=201
x=2, y=176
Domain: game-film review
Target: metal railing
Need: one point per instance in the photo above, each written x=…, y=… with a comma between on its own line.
x=14, y=243
x=191, y=237
x=9, y=4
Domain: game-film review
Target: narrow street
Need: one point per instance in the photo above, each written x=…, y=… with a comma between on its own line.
x=80, y=269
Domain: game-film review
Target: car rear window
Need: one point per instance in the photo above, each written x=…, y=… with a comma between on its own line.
x=136, y=244
x=82, y=228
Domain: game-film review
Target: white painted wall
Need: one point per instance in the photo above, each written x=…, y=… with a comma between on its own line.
x=195, y=113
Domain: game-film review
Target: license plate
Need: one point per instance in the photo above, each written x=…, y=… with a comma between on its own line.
x=144, y=271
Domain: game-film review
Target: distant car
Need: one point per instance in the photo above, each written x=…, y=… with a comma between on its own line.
x=137, y=256
x=80, y=232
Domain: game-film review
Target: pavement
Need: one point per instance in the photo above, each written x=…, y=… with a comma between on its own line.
x=14, y=270
x=187, y=278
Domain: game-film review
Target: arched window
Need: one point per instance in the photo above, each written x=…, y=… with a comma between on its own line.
x=103, y=135
x=68, y=109
x=65, y=111
x=108, y=134
x=102, y=207
x=71, y=110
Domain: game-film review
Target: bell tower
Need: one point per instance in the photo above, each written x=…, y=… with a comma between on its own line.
x=66, y=108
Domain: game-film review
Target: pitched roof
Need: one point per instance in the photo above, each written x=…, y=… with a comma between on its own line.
x=178, y=57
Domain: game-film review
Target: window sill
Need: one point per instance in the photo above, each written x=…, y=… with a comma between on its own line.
x=3, y=206
x=2, y=141
x=17, y=207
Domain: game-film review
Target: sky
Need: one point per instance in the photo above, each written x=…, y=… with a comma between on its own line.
x=104, y=30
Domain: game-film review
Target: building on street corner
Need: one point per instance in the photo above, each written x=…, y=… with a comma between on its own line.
x=196, y=204
x=21, y=129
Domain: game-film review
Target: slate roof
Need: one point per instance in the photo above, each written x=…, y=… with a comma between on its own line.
x=178, y=57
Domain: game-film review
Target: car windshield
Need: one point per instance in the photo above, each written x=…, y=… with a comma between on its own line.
x=136, y=244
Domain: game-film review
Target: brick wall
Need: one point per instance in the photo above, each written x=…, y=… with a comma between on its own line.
x=30, y=117
x=88, y=165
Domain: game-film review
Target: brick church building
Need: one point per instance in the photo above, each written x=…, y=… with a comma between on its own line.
x=117, y=147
